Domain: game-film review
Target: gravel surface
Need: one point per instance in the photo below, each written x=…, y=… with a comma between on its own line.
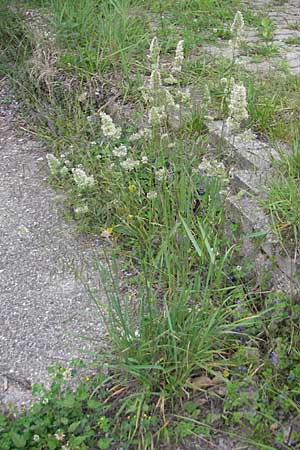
x=44, y=311
x=285, y=16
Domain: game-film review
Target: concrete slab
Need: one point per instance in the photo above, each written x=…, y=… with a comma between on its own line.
x=44, y=310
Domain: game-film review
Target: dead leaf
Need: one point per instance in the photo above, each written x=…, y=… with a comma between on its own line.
x=274, y=426
x=203, y=382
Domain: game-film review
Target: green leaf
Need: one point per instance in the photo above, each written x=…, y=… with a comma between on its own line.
x=74, y=426
x=190, y=407
x=209, y=249
x=3, y=421
x=261, y=233
x=93, y=404
x=76, y=441
x=104, y=443
x=82, y=393
x=191, y=237
x=52, y=443
x=37, y=388
x=68, y=401
x=18, y=440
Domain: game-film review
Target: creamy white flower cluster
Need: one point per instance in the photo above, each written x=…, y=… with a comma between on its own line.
x=160, y=174
x=227, y=84
x=237, y=30
x=157, y=114
x=53, y=163
x=81, y=210
x=56, y=167
x=214, y=169
x=170, y=80
x=108, y=127
x=179, y=57
x=120, y=151
x=130, y=164
x=154, y=52
x=151, y=195
x=82, y=180
x=162, y=101
x=184, y=97
x=237, y=107
x=143, y=133
x=154, y=55
x=155, y=80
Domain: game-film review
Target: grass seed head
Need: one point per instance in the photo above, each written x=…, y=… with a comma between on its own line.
x=237, y=29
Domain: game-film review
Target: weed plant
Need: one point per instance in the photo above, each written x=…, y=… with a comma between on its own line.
x=283, y=199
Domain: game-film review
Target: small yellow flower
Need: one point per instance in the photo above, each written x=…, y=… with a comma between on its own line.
x=130, y=216
x=132, y=187
x=87, y=378
x=107, y=232
x=226, y=373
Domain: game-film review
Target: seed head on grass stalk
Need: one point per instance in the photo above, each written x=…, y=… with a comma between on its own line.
x=179, y=57
x=155, y=80
x=154, y=52
x=237, y=30
x=237, y=107
x=157, y=116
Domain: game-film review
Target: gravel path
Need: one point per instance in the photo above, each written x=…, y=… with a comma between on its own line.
x=43, y=308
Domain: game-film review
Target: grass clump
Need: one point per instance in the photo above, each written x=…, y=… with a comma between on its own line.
x=13, y=36
x=284, y=200
x=292, y=41
x=93, y=48
x=261, y=50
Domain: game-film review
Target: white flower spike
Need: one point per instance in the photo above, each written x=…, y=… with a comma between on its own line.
x=179, y=56
x=237, y=29
x=108, y=127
